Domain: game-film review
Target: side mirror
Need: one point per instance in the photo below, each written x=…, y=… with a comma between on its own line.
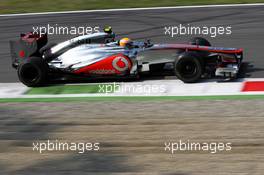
x=148, y=43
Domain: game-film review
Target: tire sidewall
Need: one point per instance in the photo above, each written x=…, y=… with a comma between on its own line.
x=180, y=62
x=39, y=67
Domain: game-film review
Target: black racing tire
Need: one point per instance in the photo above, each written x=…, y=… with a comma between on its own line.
x=200, y=41
x=33, y=72
x=188, y=67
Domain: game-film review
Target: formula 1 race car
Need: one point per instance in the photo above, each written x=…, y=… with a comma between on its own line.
x=99, y=55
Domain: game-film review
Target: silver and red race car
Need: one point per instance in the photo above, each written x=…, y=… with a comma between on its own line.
x=100, y=55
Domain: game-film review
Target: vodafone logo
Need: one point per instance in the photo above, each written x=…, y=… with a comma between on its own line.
x=120, y=63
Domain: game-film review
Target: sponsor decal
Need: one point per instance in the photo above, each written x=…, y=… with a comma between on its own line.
x=222, y=48
x=102, y=71
x=120, y=63
x=22, y=54
x=115, y=64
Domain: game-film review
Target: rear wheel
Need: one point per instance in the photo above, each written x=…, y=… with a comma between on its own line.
x=188, y=67
x=33, y=72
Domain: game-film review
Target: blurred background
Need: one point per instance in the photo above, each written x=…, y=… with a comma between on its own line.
x=132, y=132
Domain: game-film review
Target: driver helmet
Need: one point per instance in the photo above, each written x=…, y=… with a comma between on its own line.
x=108, y=29
x=124, y=41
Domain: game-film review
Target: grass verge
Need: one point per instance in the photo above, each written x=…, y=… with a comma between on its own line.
x=133, y=98
x=72, y=89
x=27, y=6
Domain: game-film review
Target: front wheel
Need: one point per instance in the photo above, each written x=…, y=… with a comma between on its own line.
x=33, y=72
x=188, y=67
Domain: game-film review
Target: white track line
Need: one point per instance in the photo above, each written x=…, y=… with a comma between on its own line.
x=132, y=9
x=167, y=87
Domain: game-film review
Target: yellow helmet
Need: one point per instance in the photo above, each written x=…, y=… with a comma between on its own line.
x=124, y=41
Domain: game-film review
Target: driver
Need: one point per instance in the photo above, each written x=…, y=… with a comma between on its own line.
x=125, y=42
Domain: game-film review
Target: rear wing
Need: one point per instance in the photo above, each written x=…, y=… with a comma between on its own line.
x=26, y=46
